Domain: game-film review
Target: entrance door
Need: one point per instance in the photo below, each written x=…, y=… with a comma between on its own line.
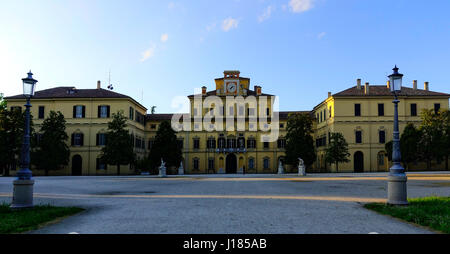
x=231, y=167
x=358, y=161
x=76, y=165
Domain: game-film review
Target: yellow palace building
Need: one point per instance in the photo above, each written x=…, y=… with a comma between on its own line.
x=362, y=113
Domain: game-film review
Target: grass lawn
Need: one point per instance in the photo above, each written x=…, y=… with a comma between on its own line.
x=433, y=212
x=16, y=221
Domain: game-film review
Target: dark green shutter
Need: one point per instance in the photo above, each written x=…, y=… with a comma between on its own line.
x=74, y=111
x=107, y=111
x=99, y=111
x=84, y=112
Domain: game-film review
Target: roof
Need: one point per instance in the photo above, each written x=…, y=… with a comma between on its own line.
x=283, y=115
x=72, y=92
x=249, y=93
x=383, y=90
x=158, y=117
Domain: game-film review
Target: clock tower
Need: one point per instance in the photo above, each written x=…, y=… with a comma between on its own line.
x=232, y=84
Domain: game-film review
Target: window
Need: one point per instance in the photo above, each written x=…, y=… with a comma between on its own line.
x=358, y=137
x=251, y=143
x=195, y=111
x=251, y=163
x=266, y=163
x=251, y=111
x=413, y=109
x=211, y=111
x=79, y=111
x=437, y=106
x=325, y=114
x=241, y=110
x=230, y=111
x=329, y=112
x=196, y=163
x=210, y=164
x=321, y=116
x=267, y=111
x=131, y=113
x=241, y=143
x=380, y=109
x=281, y=125
x=381, y=159
x=77, y=139
x=196, y=143
x=101, y=139
x=103, y=112
x=41, y=112
x=281, y=143
x=266, y=145
x=100, y=165
x=221, y=142
x=211, y=143
x=153, y=126
x=231, y=143
x=357, y=109
x=382, y=137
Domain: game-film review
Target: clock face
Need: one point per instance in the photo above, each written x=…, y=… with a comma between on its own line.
x=231, y=87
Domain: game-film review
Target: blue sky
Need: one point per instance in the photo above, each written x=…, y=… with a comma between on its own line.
x=296, y=49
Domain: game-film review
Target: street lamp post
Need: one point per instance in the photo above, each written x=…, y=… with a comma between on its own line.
x=397, y=178
x=23, y=185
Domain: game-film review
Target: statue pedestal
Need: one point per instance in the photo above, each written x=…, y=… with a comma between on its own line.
x=240, y=171
x=280, y=169
x=162, y=171
x=301, y=171
x=22, y=194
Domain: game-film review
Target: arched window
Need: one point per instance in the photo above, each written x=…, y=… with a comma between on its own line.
x=266, y=163
x=196, y=163
x=251, y=163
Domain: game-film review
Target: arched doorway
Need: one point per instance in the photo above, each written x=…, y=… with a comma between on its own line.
x=76, y=165
x=358, y=162
x=231, y=164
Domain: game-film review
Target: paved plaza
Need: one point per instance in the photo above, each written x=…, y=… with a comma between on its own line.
x=229, y=204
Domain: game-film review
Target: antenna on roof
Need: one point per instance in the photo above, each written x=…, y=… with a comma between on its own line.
x=110, y=87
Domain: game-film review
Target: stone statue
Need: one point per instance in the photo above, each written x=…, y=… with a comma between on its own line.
x=301, y=167
x=280, y=168
x=181, y=169
x=162, y=169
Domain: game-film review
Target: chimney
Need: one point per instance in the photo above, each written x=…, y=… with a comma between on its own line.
x=329, y=94
x=415, y=84
x=203, y=90
x=426, y=86
x=258, y=90
x=99, y=84
x=388, y=84
x=366, y=88
x=358, y=84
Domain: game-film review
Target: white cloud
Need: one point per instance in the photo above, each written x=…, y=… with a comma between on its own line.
x=164, y=37
x=229, y=24
x=171, y=5
x=321, y=35
x=266, y=14
x=298, y=6
x=149, y=53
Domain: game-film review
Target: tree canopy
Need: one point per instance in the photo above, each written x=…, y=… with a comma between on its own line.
x=52, y=152
x=165, y=146
x=337, y=150
x=299, y=142
x=119, y=146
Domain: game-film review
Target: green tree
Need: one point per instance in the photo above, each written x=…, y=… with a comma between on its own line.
x=409, y=142
x=119, y=147
x=12, y=123
x=337, y=150
x=446, y=122
x=432, y=143
x=166, y=147
x=299, y=142
x=52, y=152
